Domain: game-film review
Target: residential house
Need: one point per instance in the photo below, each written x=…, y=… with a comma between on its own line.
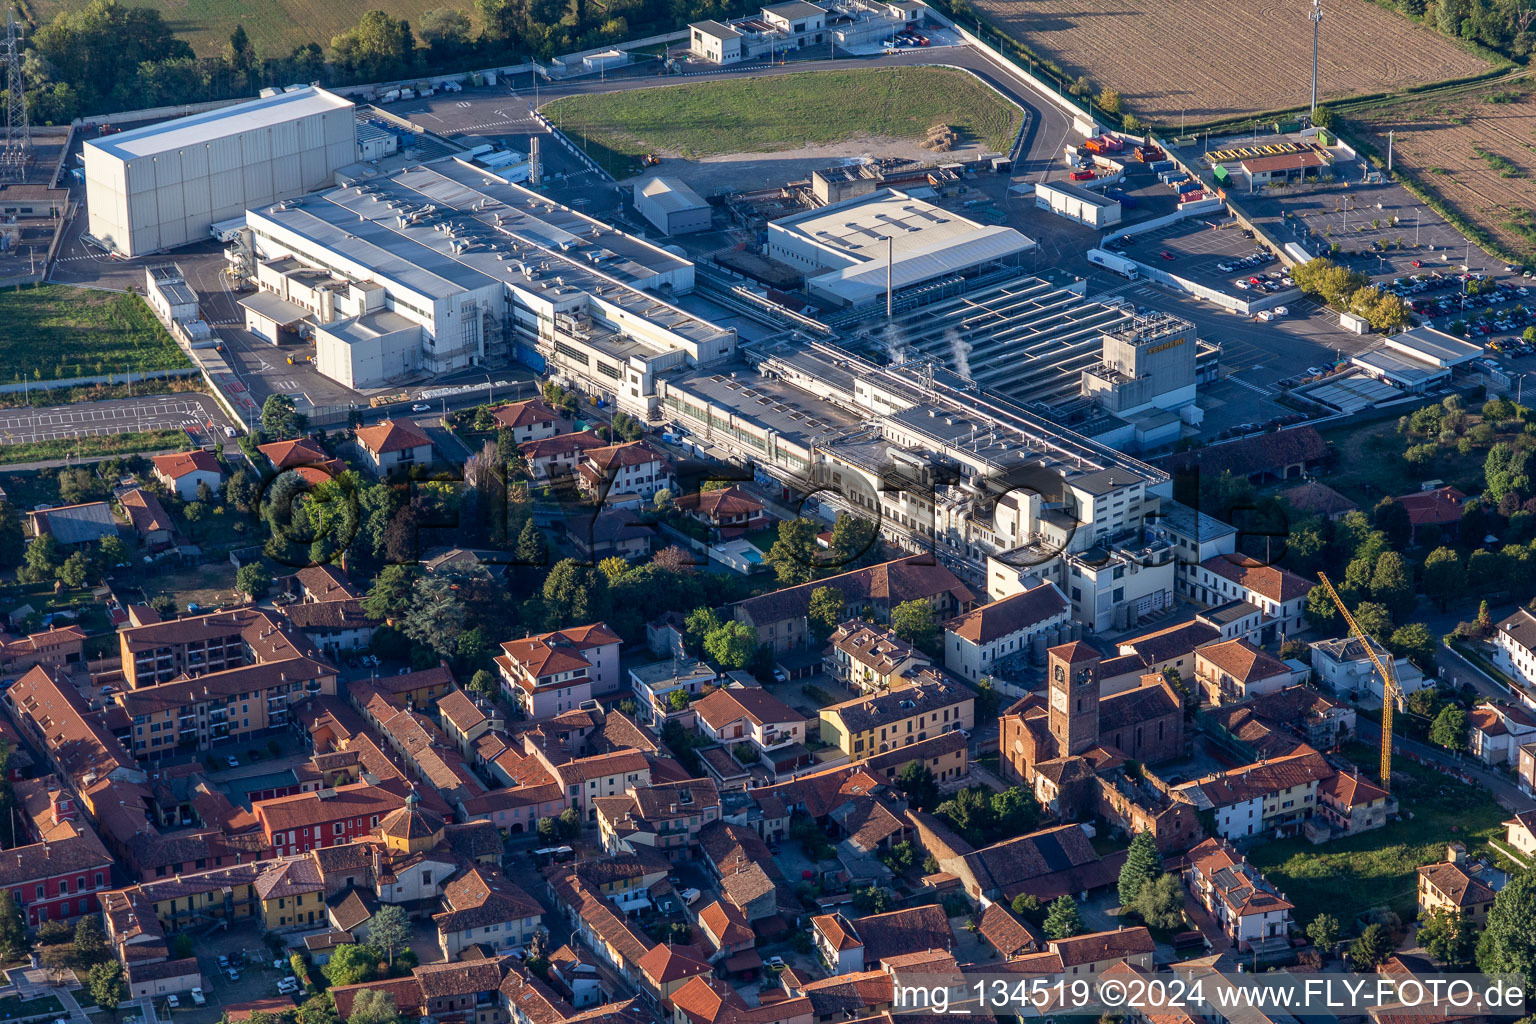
x=148, y=980
x=743, y=868
x=53, y=650
x=1349, y=804
x=1460, y=885
x=1096, y=952
x=1006, y=634
x=633, y=467
x=292, y=895
x=303, y=456
x=148, y=518
x=597, y=534
x=333, y=626
x=1046, y=864
x=744, y=714
x=1280, y=594
x=595, y=921
x=1520, y=834
x=1251, y=912
x=465, y=719
x=1235, y=670
x=1262, y=797
x=558, y=456
x=666, y=968
x=393, y=445
x=59, y=867
x=184, y=472
x=481, y=906
x=1496, y=730
x=1278, y=724
x=728, y=512
x=876, y=723
x=312, y=821
x=780, y=616
x=655, y=683
x=1343, y=666
x=728, y=931
x=1001, y=929
x=870, y=658
x=555, y=672
x=1438, y=507
x=532, y=419
x=1514, y=646
x=666, y=817
x=840, y=946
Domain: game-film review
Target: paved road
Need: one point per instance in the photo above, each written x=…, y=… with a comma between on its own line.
x=1506, y=792
x=114, y=416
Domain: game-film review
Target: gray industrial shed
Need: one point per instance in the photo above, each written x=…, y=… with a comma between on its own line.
x=673, y=207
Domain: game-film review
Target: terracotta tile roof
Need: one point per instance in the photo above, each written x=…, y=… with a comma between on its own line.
x=145, y=513
x=725, y=924
x=875, y=710
x=1278, y=585
x=1441, y=506
x=1318, y=499
x=460, y=709
x=406, y=992
x=1242, y=660
x=1045, y=864
x=1166, y=644
x=874, y=647
x=1255, y=781
x=838, y=932
x=392, y=436
x=1452, y=882
x=613, y=457
x=73, y=733
x=890, y=583
x=527, y=413
x=438, y=675
x=1351, y=790
x=725, y=706
x=847, y=996
x=305, y=809
x=460, y=978
x=289, y=878
x=1074, y=652
x=560, y=444
x=901, y=931
x=720, y=504
x=410, y=822
x=667, y=963
x=1005, y=932
x=1264, y=453
x=560, y=651
x=180, y=464
x=302, y=451
x=1010, y=615
x=323, y=616
x=1099, y=946
x=589, y=904
x=326, y=583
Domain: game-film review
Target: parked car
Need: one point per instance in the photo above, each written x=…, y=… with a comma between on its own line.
x=1165, y=254
x=1280, y=311
x=232, y=761
x=690, y=896
x=1266, y=315
x=421, y=407
x=776, y=963
x=198, y=999
x=172, y=1001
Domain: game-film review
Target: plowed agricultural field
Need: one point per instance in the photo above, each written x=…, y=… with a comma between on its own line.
x=1477, y=149
x=1211, y=59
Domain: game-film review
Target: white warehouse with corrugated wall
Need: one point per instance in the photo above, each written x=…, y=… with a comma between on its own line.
x=673, y=207
x=165, y=185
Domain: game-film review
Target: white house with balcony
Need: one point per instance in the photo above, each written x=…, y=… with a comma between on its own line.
x=739, y=714
x=554, y=672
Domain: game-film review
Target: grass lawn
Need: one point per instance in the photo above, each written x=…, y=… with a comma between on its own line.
x=1347, y=877
x=779, y=112
x=209, y=585
x=763, y=539
x=62, y=332
x=13, y=1006
x=130, y=443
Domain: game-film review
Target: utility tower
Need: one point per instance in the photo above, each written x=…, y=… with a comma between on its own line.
x=1317, y=24
x=16, y=154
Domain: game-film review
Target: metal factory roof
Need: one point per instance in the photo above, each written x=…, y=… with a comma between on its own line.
x=768, y=404
x=673, y=195
x=922, y=259
x=1077, y=192
x=200, y=129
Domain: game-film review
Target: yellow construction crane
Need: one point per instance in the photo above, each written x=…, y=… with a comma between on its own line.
x=1390, y=692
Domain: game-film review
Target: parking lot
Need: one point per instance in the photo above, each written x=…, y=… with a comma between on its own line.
x=193, y=412
x=1213, y=253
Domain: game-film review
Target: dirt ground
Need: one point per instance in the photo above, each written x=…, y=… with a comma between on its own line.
x=740, y=172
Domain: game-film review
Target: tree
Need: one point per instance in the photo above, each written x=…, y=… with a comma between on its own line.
x=1160, y=903
x=1447, y=935
x=854, y=543
x=917, y=784
x=873, y=900
x=391, y=591
x=1319, y=609
x=1323, y=930
x=1508, y=942
x=1375, y=620
x=280, y=420
x=90, y=943
x=733, y=645
x=969, y=812
x=699, y=624
x=111, y=552
x=913, y=622
x=54, y=933
x=549, y=831
x=793, y=555
x=1392, y=584
x=253, y=580
x=1506, y=470
x=436, y=617
x=13, y=543
x=484, y=684
x=574, y=595
x=390, y=930
x=41, y=560
x=319, y=1009
x=1391, y=518
x=93, y=55
x=372, y=1005
x=612, y=568
x=1449, y=729
x=13, y=931
x=78, y=484
x=1063, y=920
x=1371, y=949
x=1109, y=101
x=107, y=985
x=74, y=571
x=678, y=700
x=447, y=32
x=350, y=964
x=1414, y=643
x=1028, y=907
x=379, y=48
x=1142, y=864
x=164, y=606
x=569, y=823
x=825, y=612
x=1444, y=576
x=1014, y=811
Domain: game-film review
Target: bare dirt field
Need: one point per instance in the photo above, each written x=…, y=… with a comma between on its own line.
x=1476, y=148
x=1204, y=60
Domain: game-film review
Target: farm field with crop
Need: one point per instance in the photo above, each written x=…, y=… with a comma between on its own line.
x=55, y=332
x=1207, y=60
x=780, y=112
x=276, y=27
x=1475, y=149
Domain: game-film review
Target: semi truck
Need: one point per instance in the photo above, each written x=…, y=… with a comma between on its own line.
x=1119, y=264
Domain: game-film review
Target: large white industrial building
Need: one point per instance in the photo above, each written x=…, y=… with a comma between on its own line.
x=444, y=266
x=845, y=249
x=165, y=185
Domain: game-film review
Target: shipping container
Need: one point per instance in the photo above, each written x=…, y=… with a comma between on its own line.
x=1082, y=175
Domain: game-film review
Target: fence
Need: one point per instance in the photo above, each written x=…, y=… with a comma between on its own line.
x=106, y=378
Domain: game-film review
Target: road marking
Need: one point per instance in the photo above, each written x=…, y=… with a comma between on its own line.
x=1266, y=392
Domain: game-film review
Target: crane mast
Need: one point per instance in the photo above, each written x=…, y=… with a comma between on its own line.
x=1390, y=693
